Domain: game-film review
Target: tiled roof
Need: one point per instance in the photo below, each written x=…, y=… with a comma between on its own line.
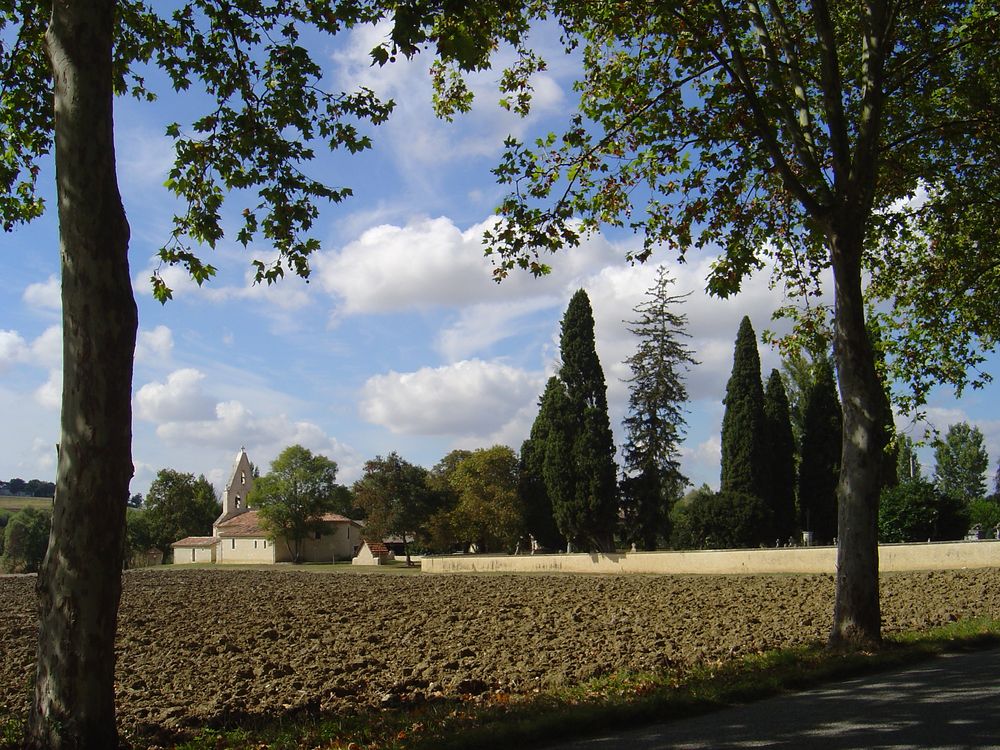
x=248, y=524
x=245, y=524
x=378, y=549
x=195, y=541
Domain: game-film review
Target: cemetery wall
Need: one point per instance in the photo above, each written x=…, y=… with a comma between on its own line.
x=892, y=557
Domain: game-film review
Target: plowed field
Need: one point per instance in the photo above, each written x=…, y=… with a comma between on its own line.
x=204, y=647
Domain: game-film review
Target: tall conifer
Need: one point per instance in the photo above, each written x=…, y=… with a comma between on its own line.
x=744, y=447
x=655, y=422
x=538, y=517
x=586, y=514
x=819, y=468
x=781, y=452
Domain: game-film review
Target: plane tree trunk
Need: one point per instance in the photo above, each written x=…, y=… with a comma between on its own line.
x=857, y=616
x=79, y=585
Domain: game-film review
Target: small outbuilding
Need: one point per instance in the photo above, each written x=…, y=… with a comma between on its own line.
x=195, y=549
x=373, y=553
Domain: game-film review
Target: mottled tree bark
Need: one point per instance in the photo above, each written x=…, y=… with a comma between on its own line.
x=857, y=614
x=79, y=586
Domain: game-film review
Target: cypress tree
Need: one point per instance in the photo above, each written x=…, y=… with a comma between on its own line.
x=744, y=446
x=781, y=453
x=655, y=422
x=538, y=518
x=819, y=468
x=586, y=515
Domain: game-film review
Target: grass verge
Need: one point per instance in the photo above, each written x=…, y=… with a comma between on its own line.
x=619, y=700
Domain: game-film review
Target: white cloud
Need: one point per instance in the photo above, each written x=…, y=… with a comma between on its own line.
x=431, y=263
x=46, y=295
x=466, y=398
x=47, y=349
x=144, y=157
x=263, y=436
x=480, y=326
x=179, y=399
x=49, y=394
x=13, y=349
x=155, y=345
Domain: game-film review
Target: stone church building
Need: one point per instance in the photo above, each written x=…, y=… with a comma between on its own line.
x=238, y=538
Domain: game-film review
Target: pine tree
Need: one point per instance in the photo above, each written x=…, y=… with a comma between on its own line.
x=744, y=447
x=819, y=468
x=587, y=513
x=655, y=423
x=538, y=518
x=781, y=451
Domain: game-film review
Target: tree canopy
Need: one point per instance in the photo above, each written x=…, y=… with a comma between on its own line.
x=179, y=505
x=266, y=112
x=395, y=498
x=489, y=512
x=293, y=496
x=960, y=463
x=785, y=132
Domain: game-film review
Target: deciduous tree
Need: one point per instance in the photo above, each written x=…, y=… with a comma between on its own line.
x=489, y=512
x=26, y=538
x=916, y=511
x=265, y=112
x=655, y=423
x=785, y=130
x=293, y=496
x=395, y=497
x=960, y=463
x=178, y=505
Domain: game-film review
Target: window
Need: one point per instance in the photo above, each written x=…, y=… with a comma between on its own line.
x=243, y=477
x=318, y=534
x=238, y=503
x=255, y=544
x=233, y=542
x=192, y=555
x=265, y=544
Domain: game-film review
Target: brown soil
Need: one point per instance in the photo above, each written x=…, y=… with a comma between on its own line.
x=206, y=647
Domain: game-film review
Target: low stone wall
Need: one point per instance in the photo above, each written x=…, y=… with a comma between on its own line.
x=892, y=557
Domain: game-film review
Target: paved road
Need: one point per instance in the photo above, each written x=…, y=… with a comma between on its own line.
x=952, y=701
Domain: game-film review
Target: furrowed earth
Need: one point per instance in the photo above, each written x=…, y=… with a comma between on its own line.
x=212, y=647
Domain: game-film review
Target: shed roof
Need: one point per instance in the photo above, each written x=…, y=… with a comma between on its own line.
x=195, y=541
x=378, y=549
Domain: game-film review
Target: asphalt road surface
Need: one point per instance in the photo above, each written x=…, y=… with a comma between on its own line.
x=952, y=701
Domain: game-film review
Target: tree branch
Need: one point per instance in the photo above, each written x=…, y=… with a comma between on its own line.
x=739, y=74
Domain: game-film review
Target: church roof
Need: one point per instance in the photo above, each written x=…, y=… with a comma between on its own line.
x=247, y=524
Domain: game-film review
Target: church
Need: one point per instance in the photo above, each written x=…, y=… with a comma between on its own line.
x=237, y=537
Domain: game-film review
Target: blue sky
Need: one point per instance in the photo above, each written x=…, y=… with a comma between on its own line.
x=400, y=341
